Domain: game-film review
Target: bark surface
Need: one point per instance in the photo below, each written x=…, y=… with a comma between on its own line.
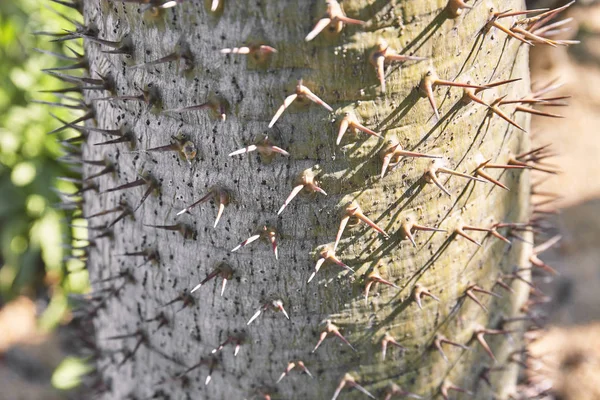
x=336, y=67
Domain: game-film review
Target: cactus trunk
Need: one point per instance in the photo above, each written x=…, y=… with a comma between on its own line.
x=148, y=349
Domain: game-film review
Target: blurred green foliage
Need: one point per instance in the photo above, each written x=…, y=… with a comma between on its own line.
x=33, y=231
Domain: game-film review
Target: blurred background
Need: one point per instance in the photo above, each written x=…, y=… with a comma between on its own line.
x=35, y=277
x=38, y=281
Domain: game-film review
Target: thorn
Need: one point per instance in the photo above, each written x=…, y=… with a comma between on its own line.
x=456, y=7
x=214, y=5
x=79, y=104
x=185, y=230
x=536, y=261
x=330, y=328
x=68, y=35
x=301, y=365
x=504, y=321
x=305, y=181
x=471, y=290
x=82, y=189
x=218, y=106
x=351, y=122
x=109, y=168
x=335, y=19
x=383, y=53
x=103, y=83
x=149, y=96
x=220, y=196
x=537, y=154
x=126, y=137
x=493, y=23
x=510, y=13
x=162, y=320
x=122, y=207
x=68, y=159
x=393, y=152
x=549, y=30
x=261, y=53
x=492, y=231
x=211, y=362
x=517, y=357
x=275, y=305
x=532, y=36
x=496, y=110
x=291, y=366
x=250, y=49
x=264, y=147
x=349, y=381
x=531, y=159
x=142, y=338
x=236, y=340
x=123, y=46
x=408, y=226
x=534, y=23
x=145, y=179
x=122, y=274
x=469, y=95
x=83, y=130
x=267, y=233
x=533, y=111
x=500, y=282
x=149, y=254
x=328, y=255
x=447, y=386
x=496, y=15
x=375, y=278
x=185, y=298
x=301, y=91
x=498, y=83
x=182, y=55
x=440, y=340
x=431, y=80
x=395, y=390
x=223, y=270
x=389, y=339
x=419, y=291
x=486, y=164
x=484, y=375
x=353, y=210
x=154, y=7
x=460, y=232
x=73, y=89
x=187, y=150
x=479, y=335
x=88, y=115
x=537, y=97
x=430, y=176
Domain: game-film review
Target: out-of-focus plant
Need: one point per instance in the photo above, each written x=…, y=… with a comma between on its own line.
x=32, y=231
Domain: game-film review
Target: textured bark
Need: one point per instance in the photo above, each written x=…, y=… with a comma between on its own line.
x=336, y=68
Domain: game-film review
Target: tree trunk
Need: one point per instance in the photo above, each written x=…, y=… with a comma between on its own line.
x=156, y=339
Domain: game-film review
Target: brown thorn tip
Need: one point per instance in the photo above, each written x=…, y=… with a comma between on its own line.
x=335, y=18
x=301, y=91
x=419, y=291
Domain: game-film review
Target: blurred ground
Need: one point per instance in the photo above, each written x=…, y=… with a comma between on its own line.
x=567, y=357
x=27, y=356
